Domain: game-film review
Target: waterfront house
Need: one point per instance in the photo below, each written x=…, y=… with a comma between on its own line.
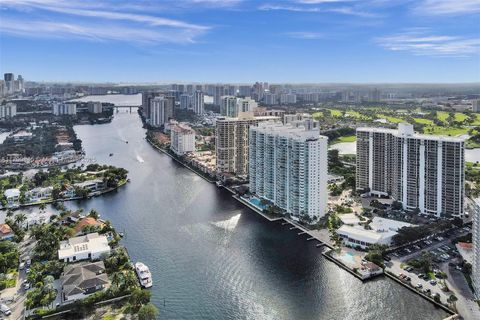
x=6, y=232
x=12, y=196
x=83, y=279
x=39, y=194
x=87, y=221
x=91, y=185
x=87, y=247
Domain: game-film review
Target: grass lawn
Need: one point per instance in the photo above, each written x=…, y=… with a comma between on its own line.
x=445, y=131
x=390, y=119
x=477, y=120
x=442, y=115
x=345, y=139
x=358, y=115
x=424, y=121
x=335, y=113
x=460, y=117
x=318, y=115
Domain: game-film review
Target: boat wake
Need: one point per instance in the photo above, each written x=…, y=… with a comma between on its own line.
x=140, y=159
x=228, y=225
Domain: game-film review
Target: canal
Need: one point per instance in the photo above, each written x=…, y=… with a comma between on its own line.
x=212, y=258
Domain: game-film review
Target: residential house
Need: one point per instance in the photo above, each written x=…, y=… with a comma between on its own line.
x=88, y=247
x=83, y=279
x=6, y=232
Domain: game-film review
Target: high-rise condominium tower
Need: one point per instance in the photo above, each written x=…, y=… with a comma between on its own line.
x=288, y=166
x=231, y=142
x=423, y=172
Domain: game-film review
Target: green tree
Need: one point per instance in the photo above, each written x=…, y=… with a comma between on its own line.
x=148, y=312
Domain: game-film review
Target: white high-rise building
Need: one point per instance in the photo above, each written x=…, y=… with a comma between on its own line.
x=246, y=104
x=161, y=110
x=8, y=110
x=288, y=98
x=423, y=172
x=60, y=109
x=198, y=102
x=231, y=142
x=182, y=139
x=270, y=98
x=229, y=107
x=288, y=166
x=476, y=105
x=186, y=101
x=476, y=248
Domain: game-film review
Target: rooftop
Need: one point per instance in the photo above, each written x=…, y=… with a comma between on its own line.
x=90, y=243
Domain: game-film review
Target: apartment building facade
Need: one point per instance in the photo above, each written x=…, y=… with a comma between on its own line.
x=232, y=142
x=425, y=173
x=288, y=166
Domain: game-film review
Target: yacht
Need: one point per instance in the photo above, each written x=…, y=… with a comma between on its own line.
x=143, y=274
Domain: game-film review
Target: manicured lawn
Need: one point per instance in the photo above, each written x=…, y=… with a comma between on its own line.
x=446, y=131
x=442, y=115
x=477, y=120
x=460, y=117
x=390, y=119
x=345, y=139
x=423, y=121
x=358, y=115
x=335, y=113
x=318, y=115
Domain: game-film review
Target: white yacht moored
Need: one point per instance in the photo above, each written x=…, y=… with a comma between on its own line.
x=144, y=275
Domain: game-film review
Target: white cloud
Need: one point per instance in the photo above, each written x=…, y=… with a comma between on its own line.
x=65, y=30
x=447, y=7
x=346, y=10
x=306, y=35
x=96, y=22
x=419, y=42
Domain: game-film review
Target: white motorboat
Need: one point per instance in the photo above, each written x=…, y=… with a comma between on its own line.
x=143, y=274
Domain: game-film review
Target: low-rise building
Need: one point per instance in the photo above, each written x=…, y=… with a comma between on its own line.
x=91, y=185
x=83, y=279
x=6, y=232
x=12, y=196
x=182, y=139
x=39, y=194
x=88, y=247
x=380, y=231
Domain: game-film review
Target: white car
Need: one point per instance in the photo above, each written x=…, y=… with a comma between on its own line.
x=6, y=310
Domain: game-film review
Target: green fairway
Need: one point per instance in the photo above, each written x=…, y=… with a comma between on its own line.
x=477, y=120
x=335, y=113
x=424, y=121
x=445, y=131
x=318, y=115
x=390, y=119
x=460, y=117
x=442, y=115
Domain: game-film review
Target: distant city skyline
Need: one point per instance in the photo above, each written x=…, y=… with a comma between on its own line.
x=242, y=41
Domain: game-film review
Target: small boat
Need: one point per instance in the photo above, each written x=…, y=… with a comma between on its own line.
x=126, y=141
x=111, y=154
x=144, y=275
x=121, y=234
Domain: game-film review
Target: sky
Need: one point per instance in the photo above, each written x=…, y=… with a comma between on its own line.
x=242, y=41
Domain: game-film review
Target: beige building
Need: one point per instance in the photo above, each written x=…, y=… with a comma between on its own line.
x=231, y=142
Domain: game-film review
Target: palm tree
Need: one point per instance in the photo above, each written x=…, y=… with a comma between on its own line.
x=20, y=218
x=9, y=212
x=117, y=279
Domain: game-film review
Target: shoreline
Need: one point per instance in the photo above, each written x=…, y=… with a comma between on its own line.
x=97, y=193
x=312, y=236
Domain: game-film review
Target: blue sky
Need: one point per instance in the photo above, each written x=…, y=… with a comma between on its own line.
x=241, y=40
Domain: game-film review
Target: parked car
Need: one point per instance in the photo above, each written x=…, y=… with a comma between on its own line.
x=433, y=282
x=6, y=310
x=419, y=286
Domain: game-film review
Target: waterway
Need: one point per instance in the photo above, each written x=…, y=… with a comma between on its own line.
x=212, y=258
